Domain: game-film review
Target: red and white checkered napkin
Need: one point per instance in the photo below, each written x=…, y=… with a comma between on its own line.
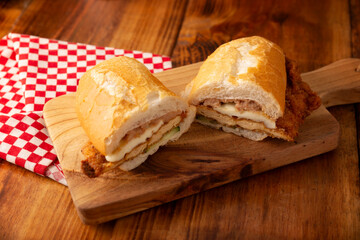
x=34, y=70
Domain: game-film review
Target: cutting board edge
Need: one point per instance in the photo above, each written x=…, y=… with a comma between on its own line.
x=86, y=217
x=86, y=213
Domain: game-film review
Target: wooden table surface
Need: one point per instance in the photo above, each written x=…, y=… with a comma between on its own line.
x=317, y=198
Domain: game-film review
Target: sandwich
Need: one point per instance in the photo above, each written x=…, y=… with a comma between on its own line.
x=249, y=88
x=127, y=114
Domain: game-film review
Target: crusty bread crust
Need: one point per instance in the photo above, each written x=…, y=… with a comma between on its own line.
x=119, y=95
x=300, y=102
x=250, y=68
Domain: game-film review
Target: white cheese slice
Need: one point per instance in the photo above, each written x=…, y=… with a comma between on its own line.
x=229, y=109
x=127, y=147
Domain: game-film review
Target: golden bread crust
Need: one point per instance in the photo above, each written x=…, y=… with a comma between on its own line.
x=253, y=61
x=108, y=93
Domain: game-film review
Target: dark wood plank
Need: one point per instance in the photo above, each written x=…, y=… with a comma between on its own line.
x=355, y=43
x=355, y=27
x=355, y=50
x=10, y=12
x=313, y=33
x=284, y=203
x=308, y=199
x=35, y=207
x=135, y=25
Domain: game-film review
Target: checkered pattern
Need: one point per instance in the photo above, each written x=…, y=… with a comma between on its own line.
x=34, y=70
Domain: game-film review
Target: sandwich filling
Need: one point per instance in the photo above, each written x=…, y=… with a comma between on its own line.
x=237, y=115
x=142, y=133
x=136, y=142
x=242, y=109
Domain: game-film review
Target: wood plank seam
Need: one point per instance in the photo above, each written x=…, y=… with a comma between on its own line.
x=354, y=8
x=179, y=28
x=19, y=17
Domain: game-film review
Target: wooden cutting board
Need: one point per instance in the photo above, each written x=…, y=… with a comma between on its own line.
x=201, y=159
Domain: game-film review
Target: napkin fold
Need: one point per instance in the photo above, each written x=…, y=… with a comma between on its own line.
x=34, y=70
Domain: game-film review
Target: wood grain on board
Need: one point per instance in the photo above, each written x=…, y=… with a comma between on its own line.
x=313, y=199
x=202, y=159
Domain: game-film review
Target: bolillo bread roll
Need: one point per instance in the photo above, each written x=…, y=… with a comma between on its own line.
x=127, y=113
x=247, y=87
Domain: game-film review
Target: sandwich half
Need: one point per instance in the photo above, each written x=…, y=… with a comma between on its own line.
x=248, y=87
x=127, y=114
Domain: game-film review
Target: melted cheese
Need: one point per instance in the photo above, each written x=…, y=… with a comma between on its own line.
x=229, y=109
x=128, y=146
